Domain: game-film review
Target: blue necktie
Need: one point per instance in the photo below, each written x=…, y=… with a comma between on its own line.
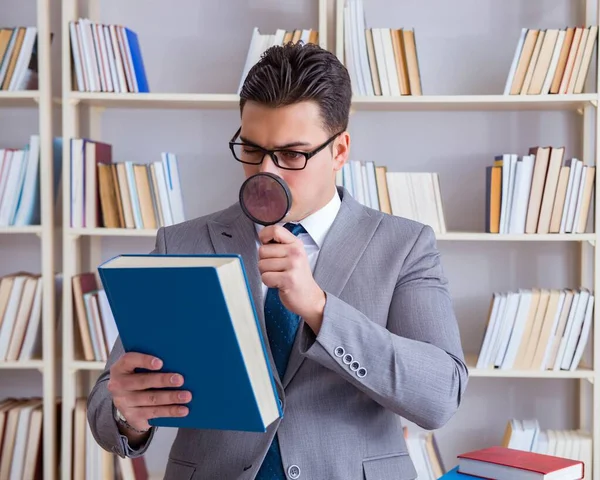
x=281, y=325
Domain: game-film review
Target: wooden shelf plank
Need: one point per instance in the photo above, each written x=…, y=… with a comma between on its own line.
x=22, y=365
x=474, y=102
x=78, y=365
x=112, y=232
x=21, y=98
x=35, y=229
x=379, y=103
x=535, y=237
x=156, y=100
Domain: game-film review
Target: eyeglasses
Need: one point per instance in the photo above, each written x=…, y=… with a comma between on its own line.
x=286, y=159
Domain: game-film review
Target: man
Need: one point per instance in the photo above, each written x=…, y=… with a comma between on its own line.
x=370, y=332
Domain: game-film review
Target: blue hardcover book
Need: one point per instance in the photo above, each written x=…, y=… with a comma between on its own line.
x=196, y=313
x=455, y=475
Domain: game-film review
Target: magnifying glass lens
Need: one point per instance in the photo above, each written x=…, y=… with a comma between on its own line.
x=265, y=198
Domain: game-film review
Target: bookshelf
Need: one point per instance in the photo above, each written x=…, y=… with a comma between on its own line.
x=83, y=248
x=43, y=370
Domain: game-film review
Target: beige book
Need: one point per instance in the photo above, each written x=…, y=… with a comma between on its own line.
x=586, y=199
x=519, y=362
x=6, y=284
x=412, y=62
x=550, y=188
x=564, y=82
x=559, y=199
x=562, y=60
x=524, y=60
x=536, y=328
x=546, y=330
x=79, y=425
x=372, y=61
x=578, y=60
x=125, y=196
x=144, y=196
x=313, y=37
x=532, y=63
x=108, y=196
x=586, y=59
x=160, y=218
x=20, y=326
x=400, y=56
x=33, y=449
x=543, y=62
x=542, y=157
x=113, y=172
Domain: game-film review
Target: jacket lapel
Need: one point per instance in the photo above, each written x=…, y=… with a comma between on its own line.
x=236, y=233
x=344, y=244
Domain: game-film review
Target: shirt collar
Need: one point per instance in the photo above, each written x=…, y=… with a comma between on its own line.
x=318, y=223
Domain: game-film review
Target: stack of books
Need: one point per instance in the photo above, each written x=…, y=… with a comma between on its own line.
x=380, y=61
x=19, y=184
x=501, y=463
x=551, y=61
x=537, y=329
x=412, y=195
x=538, y=193
x=261, y=42
x=425, y=453
x=18, y=58
x=106, y=58
x=124, y=194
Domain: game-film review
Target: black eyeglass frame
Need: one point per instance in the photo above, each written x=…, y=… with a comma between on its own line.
x=272, y=153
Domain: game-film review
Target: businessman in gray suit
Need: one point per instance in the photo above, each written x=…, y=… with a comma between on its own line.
x=354, y=307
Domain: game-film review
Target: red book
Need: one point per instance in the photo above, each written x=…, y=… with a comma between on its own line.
x=500, y=463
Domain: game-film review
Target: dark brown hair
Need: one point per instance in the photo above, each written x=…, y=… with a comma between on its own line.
x=297, y=72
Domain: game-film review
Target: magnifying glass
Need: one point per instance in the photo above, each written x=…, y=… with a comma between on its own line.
x=265, y=198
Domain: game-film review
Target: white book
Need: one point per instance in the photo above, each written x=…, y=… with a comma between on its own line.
x=390, y=62
x=553, y=62
x=119, y=64
x=504, y=207
x=574, y=196
x=497, y=332
x=350, y=57
x=515, y=62
x=365, y=185
x=10, y=314
x=13, y=187
x=91, y=63
x=386, y=88
x=24, y=58
x=110, y=53
x=584, y=333
x=585, y=172
x=77, y=56
x=33, y=334
x=362, y=46
x=488, y=335
x=555, y=321
x=163, y=193
x=516, y=334
x=173, y=180
x=508, y=322
x=372, y=183
x=572, y=163
x=522, y=189
x=356, y=53
x=30, y=190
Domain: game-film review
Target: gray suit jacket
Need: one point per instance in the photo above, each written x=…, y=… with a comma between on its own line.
x=388, y=308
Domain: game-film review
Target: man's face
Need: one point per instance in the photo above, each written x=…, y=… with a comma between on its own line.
x=297, y=127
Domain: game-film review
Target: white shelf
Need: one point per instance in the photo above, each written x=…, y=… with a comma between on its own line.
x=156, y=100
x=424, y=102
x=23, y=365
x=21, y=98
x=84, y=365
x=581, y=373
x=31, y=229
x=112, y=232
x=515, y=237
x=474, y=102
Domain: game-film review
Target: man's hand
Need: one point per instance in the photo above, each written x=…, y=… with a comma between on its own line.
x=284, y=265
x=134, y=393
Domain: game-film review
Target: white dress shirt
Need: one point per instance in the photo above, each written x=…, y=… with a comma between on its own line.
x=317, y=225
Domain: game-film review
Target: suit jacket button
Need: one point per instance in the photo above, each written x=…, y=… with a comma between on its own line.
x=361, y=372
x=339, y=351
x=294, y=471
x=347, y=359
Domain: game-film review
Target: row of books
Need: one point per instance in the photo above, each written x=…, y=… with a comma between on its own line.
x=20, y=316
x=538, y=193
x=122, y=194
x=19, y=184
x=526, y=435
x=90, y=461
x=94, y=319
x=106, y=58
x=413, y=195
x=18, y=58
x=537, y=329
x=380, y=61
x=261, y=42
x=21, y=442
x=551, y=61
x=505, y=463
